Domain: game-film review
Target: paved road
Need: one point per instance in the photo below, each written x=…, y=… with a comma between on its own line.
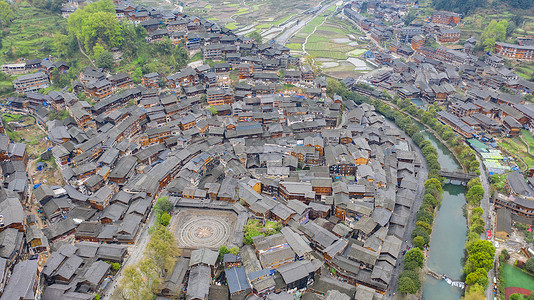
x=294, y=28
x=135, y=253
x=406, y=241
x=488, y=211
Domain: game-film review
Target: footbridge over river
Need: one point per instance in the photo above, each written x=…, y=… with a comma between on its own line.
x=455, y=283
x=457, y=176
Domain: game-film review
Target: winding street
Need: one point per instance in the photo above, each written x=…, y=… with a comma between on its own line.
x=406, y=241
x=135, y=253
x=488, y=219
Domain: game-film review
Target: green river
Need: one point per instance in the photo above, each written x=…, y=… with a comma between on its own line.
x=449, y=233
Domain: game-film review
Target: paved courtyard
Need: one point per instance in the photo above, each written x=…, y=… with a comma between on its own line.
x=197, y=228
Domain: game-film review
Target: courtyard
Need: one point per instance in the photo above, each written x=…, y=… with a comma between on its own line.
x=198, y=228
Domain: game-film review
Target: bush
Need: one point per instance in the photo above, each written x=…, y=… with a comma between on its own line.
x=529, y=265
x=165, y=219
x=222, y=251
x=516, y=296
x=505, y=254
x=115, y=266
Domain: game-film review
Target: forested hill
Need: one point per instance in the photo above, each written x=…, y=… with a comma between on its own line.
x=467, y=7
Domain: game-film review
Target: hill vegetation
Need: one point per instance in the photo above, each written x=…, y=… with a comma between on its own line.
x=467, y=7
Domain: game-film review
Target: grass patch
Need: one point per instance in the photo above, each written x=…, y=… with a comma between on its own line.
x=315, y=38
x=312, y=24
x=294, y=46
x=196, y=57
x=233, y=5
x=231, y=26
x=331, y=9
x=517, y=147
x=282, y=20
x=32, y=33
x=263, y=26
x=356, y=52
x=327, y=54
x=242, y=11
x=514, y=277
x=329, y=46
x=209, y=6
x=528, y=137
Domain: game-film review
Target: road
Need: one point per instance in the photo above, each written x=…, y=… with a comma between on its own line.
x=292, y=27
x=135, y=253
x=406, y=241
x=488, y=211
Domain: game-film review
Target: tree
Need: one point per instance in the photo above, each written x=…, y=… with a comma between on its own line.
x=529, y=265
x=6, y=13
x=505, y=253
x=416, y=255
x=419, y=242
x=163, y=204
x=97, y=50
x=413, y=275
x=115, y=266
x=494, y=32
x=410, y=17
x=59, y=80
x=96, y=22
x=234, y=250
x=137, y=281
x=479, y=277
x=475, y=194
x=475, y=292
x=411, y=265
x=255, y=35
x=433, y=184
x=516, y=296
x=473, y=182
x=407, y=286
x=428, y=198
x=213, y=110
x=422, y=232
x=162, y=249
x=222, y=251
x=479, y=260
x=105, y=60
x=165, y=219
x=425, y=216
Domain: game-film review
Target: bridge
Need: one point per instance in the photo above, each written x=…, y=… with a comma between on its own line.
x=457, y=176
x=455, y=283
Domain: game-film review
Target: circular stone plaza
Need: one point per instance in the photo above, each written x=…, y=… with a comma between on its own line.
x=198, y=228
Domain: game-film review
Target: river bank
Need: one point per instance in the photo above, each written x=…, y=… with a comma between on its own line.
x=446, y=251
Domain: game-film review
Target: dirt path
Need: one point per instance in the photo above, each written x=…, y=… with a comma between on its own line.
x=83, y=52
